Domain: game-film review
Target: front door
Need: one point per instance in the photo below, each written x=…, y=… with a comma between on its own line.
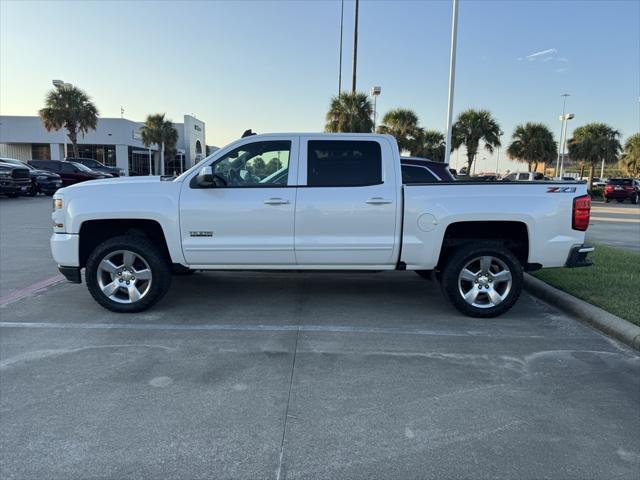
x=248, y=218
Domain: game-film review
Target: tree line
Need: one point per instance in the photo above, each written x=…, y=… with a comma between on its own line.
x=71, y=108
x=531, y=143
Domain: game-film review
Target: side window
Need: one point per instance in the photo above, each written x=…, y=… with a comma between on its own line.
x=538, y=176
x=414, y=174
x=523, y=176
x=259, y=164
x=67, y=168
x=342, y=163
x=511, y=177
x=53, y=166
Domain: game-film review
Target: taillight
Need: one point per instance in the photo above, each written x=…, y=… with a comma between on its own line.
x=609, y=187
x=581, y=212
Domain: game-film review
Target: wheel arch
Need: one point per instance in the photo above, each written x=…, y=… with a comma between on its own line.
x=94, y=232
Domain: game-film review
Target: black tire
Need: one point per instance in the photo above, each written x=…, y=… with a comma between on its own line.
x=634, y=199
x=33, y=190
x=13, y=195
x=144, y=249
x=461, y=258
x=607, y=200
x=426, y=274
x=620, y=200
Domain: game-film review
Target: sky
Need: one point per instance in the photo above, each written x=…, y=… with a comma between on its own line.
x=273, y=65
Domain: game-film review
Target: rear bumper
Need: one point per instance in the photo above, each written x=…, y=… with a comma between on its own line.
x=578, y=256
x=619, y=194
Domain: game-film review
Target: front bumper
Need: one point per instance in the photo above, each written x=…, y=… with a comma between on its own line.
x=65, y=248
x=49, y=186
x=71, y=273
x=578, y=256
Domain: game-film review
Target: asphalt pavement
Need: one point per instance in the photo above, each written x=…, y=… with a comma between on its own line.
x=314, y=375
x=615, y=224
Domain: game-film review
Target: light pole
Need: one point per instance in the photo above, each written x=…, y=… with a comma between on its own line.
x=564, y=104
x=355, y=49
x=500, y=133
x=59, y=84
x=452, y=78
x=375, y=91
x=340, y=62
x=565, y=119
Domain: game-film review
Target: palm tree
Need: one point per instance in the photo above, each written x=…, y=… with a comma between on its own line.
x=631, y=155
x=532, y=143
x=71, y=108
x=350, y=112
x=593, y=143
x=472, y=127
x=402, y=123
x=430, y=144
x=157, y=129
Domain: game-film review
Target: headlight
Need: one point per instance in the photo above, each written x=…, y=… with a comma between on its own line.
x=57, y=203
x=4, y=173
x=41, y=177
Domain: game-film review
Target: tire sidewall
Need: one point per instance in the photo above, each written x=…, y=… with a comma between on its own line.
x=459, y=260
x=142, y=246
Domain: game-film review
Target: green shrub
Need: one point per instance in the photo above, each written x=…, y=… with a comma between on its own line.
x=597, y=192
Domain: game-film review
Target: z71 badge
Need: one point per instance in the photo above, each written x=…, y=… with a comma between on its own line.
x=561, y=189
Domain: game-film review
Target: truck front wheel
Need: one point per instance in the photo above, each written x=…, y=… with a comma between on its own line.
x=483, y=279
x=127, y=274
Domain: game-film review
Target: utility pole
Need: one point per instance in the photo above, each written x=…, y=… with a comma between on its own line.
x=564, y=104
x=452, y=79
x=341, y=29
x=355, y=50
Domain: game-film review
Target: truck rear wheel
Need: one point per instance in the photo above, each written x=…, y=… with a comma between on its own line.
x=483, y=279
x=127, y=274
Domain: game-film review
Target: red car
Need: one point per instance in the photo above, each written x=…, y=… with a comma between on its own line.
x=622, y=189
x=70, y=172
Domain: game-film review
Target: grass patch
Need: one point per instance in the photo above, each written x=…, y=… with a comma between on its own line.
x=612, y=283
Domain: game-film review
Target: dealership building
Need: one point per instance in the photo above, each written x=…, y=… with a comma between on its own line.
x=115, y=142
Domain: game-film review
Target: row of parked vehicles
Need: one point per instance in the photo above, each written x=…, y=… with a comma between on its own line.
x=46, y=176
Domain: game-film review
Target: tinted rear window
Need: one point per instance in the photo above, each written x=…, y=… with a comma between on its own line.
x=620, y=181
x=342, y=163
x=415, y=174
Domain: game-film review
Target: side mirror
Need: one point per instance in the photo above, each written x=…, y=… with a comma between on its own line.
x=205, y=178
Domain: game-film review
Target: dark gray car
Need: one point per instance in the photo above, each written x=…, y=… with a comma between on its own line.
x=96, y=166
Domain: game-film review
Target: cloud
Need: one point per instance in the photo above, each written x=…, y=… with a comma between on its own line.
x=542, y=54
x=560, y=70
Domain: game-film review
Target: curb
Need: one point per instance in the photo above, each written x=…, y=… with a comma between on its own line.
x=604, y=321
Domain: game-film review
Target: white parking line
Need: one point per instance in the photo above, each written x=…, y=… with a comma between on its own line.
x=260, y=328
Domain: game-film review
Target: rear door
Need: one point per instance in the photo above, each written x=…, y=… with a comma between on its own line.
x=347, y=202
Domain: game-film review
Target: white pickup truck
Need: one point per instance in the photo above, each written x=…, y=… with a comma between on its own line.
x=315, y=202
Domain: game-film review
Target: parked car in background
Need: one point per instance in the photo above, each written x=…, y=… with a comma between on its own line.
x=96, y=166
x=423, y=170
x=14, y=181
x=622, y=189
x=525, y=177
x=42, y=181
x=70, y=172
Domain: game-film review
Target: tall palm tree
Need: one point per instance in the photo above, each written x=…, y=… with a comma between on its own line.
x=532, y=143
x=473, y=127
x=631, y=155
x=402, y=123
x=593, y=143
x=157, y=129
x=350, y=112
x=430, y=144
x=70, y=108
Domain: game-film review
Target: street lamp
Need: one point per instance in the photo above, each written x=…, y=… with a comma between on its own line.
x=564, y=119
x=564, y=104
x=60, y=84
x=500, y=133
x=375, y=91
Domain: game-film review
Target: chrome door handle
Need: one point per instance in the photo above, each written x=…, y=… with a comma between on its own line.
x=277, y=201
x=379, y=201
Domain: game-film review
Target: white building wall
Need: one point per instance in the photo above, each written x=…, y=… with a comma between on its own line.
x=17, y=151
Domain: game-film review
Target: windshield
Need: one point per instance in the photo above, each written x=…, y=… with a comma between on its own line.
x=82, y=167
x=620, y=181
x=17, y=163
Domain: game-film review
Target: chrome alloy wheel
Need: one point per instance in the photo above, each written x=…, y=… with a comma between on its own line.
x=485, y=282
x=124, y=276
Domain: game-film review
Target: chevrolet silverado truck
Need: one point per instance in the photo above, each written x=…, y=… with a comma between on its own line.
x=315, y=202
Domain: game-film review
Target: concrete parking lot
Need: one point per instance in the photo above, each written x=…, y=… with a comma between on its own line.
x=284, y=375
